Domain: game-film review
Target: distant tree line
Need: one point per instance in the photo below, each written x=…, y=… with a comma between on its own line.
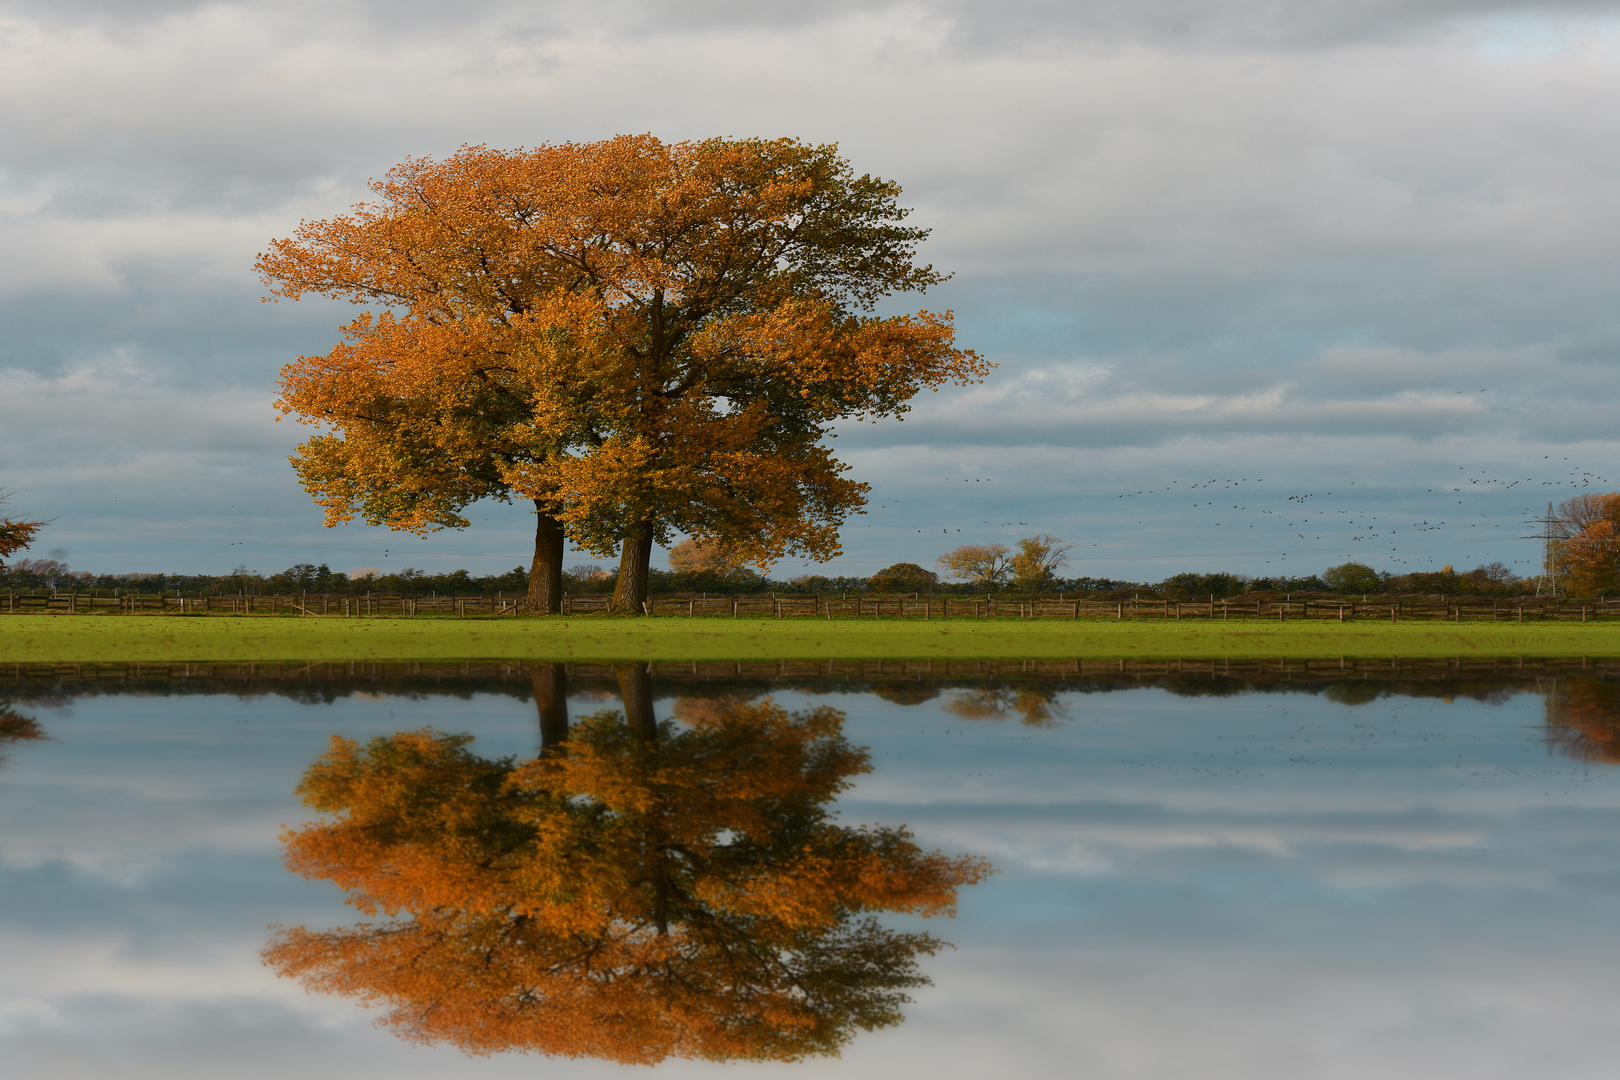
x=698, y=572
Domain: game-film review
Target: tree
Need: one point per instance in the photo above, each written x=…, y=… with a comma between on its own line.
x=984, y=565
x=1352, y=577
x=694, y=557
x=638, y=891
x=1588, y=543
x=903, y=577
x=1202, y=586
x=16, y=535
x=1037, y=558
x=640, y=337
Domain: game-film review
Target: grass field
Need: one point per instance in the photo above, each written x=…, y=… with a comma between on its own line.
x=87, y=638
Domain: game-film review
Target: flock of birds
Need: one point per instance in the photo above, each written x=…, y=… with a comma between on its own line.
x=1375, y=521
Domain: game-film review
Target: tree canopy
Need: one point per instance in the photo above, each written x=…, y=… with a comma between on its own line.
x=903, y=577
x=1353, y=577
x=1588, y=543
x=643, y=338
x=638, y=891
x=1037, y=558
x=984, y=565
x=16, y=535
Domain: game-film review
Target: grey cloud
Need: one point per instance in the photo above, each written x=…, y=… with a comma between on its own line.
x=1040, y=25
x=1289, y=234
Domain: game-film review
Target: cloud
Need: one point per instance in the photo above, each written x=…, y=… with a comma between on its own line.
x=1185, y=231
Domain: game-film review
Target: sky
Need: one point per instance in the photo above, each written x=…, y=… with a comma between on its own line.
x=1349, y=267
x=1243, y=888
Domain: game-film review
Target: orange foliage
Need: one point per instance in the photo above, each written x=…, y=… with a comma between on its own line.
x=626, y=897
x=1583, y=719
x=642, y=337
x=16, y=535
x=1589, y=545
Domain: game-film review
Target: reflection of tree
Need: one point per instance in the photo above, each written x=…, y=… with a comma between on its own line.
x=645, y=891
x=1033, y=704
x=15, y=727
x=1583, y=719
x=905, y=692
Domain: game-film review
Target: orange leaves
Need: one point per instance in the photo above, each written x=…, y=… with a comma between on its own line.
x=16, y=535
x=642, y=337
x=1589, y=548
x=1583, y=718
x=633, y=896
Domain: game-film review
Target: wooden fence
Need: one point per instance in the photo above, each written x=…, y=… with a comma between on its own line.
x=826, y=607
x=320, y=606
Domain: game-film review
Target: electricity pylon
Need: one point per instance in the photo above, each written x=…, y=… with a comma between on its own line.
x=1548, y=582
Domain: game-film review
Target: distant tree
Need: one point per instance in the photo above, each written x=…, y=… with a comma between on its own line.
x=1202, y=586
x=1352, y=577
x=1038, y=556
x=1492, y=578
x=697, y=557
x=984, y=565
x=1588, y=543
x=903, y=577
x=16, y=535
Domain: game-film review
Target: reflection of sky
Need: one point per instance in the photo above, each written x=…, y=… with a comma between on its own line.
x=1258, y=886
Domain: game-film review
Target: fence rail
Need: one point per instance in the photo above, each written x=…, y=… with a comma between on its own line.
x=825, y=607
x=318, y=606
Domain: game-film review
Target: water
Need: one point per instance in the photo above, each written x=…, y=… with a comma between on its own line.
x=1264, y=875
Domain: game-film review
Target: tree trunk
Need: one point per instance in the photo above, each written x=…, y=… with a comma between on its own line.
x=631, y=591
x=550, y=683
x=635, y=687
x=545, y=575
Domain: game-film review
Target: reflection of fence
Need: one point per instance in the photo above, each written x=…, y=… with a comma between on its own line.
x=828, y=607
x=1519, y=671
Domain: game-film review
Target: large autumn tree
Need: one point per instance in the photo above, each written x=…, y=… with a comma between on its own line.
x=638, y=891
x=1587, y=545
x=642, y=338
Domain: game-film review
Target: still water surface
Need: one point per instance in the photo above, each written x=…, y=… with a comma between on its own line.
x=1197, y=875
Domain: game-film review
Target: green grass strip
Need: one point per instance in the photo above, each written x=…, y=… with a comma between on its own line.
x=96, y=638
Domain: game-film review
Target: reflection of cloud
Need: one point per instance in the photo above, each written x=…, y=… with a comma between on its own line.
x=1106, y=838
x=1374, y=913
